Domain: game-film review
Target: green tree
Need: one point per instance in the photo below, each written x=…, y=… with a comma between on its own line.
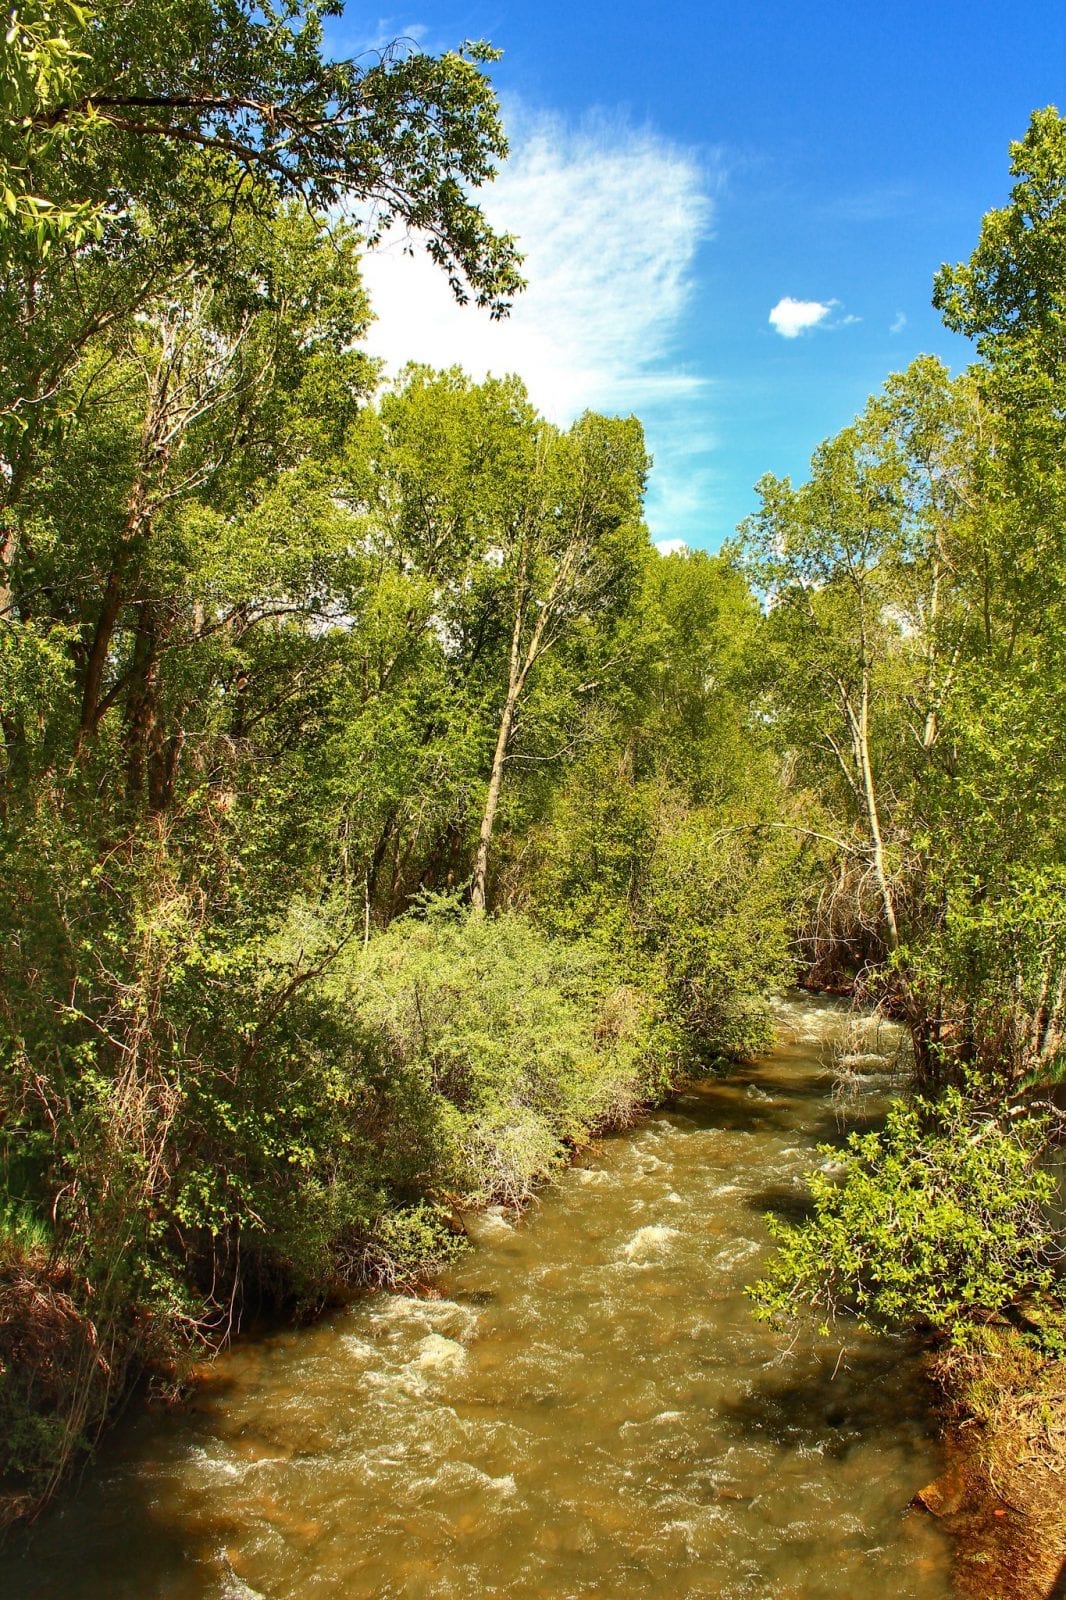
x=663, y=840
x=916, y=584
x=502, y=548
x=131, y=138
x=857, y=566
x=568, y=549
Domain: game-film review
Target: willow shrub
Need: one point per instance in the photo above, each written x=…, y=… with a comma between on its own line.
x=939, y=1220
x=505, y=1047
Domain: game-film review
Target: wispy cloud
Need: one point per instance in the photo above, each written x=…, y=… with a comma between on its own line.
x=610, y=218
x=792, y=317
x=899, y=322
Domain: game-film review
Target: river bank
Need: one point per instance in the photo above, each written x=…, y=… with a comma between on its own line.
x=586, y=1387
x=1003, y=1493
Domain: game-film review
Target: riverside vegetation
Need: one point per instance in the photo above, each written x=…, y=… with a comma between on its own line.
x=382, y=815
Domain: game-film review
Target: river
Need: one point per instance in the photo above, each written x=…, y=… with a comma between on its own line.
x=586, y=1409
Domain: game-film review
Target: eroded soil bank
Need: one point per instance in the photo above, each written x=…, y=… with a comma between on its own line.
x=1002, y=1495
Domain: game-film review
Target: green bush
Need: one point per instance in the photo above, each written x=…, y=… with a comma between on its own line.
x=406, y=1244
x=940, y=1219
x=499, y=1046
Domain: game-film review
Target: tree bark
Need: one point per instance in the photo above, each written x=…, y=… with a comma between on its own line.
x=492, y=801
x=515, y=679
x=861, y=734
x=138, y=521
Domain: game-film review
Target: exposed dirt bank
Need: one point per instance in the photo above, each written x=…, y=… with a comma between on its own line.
x=1003, y=1495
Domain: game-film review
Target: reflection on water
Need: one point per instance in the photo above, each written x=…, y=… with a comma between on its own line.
x=588, y=1409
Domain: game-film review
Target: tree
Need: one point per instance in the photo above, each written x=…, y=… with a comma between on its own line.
x=200, y=403
x=1009, y=295
x=662, y=838
x=503, y=543
x=567, y=549
x=131, y=139
x=104, y=103
x=856, y=565
x=942, y=1218
x=1005, y=936
x=918, y=581
x=878, y=573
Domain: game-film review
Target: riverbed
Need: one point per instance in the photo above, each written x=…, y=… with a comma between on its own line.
x=583, y=1407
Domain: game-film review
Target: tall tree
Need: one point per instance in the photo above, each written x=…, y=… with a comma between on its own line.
x=131, y=137
x=568, y=548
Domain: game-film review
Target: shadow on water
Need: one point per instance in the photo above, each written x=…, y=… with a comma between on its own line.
x=788, y=1202
x=108, y=1534
x=836, y=1404
x=805, y=1109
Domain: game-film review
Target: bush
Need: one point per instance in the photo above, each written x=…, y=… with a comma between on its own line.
x=501, y=1046
x=290, y=1126
x=940, y=1219
x=690, y=902
x=405, y=1245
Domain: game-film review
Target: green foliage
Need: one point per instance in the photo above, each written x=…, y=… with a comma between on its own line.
x=23, y=1233
x=661, y=842
x=107, y=107
x=288, y=674
x=713, y=919
x=911, y=662
x=504, y=1049
x=940, y=1219
x=409, y=1242
x=1009, y=296
x=41, y=60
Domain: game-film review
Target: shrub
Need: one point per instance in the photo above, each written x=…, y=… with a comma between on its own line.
x=502, y=1047
x=940, y=1219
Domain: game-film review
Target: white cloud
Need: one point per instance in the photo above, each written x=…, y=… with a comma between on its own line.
x=609, y=218
x=790, y=317
x=899, y=322
x=670, y=547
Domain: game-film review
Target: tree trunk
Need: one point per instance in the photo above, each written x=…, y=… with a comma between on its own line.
x=492, y=800
x=140, y=701
x=861, y=736
x=92, y=702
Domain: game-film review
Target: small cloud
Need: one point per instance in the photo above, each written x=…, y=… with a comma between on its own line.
x=671, y=547
x=846, y=322
x=899, y=322
x=790, y=317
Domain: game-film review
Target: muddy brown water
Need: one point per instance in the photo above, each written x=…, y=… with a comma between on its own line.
x=587, y=1410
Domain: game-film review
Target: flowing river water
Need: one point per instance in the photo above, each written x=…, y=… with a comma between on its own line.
x=588, y=1408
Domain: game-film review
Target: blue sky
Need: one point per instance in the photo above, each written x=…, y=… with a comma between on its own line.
x=678, y=172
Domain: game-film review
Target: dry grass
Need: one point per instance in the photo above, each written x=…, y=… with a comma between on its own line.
x=1003, y=1495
